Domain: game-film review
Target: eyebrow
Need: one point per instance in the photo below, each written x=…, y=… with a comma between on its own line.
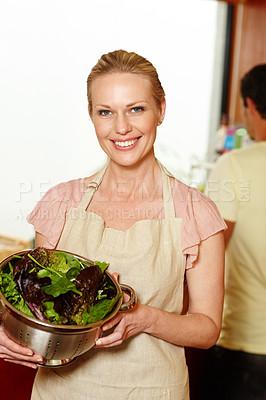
x=101, y=105
x=128, y=105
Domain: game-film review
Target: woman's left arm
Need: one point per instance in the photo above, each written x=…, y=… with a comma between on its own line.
x=200, y=327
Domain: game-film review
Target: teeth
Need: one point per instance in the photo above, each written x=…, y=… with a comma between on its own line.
x=126, y=143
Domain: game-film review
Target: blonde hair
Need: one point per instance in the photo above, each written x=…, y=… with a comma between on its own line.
x=123, y=61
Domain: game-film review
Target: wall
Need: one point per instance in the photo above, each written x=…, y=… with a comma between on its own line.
x=248, y=49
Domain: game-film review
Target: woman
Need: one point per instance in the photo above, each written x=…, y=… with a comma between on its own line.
x=152, y=229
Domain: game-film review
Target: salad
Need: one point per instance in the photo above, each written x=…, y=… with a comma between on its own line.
x=58, y=287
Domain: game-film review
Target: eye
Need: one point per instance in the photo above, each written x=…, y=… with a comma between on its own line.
x=137, y=109
x=104, y=113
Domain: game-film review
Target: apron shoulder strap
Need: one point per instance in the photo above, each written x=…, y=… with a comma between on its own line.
x=91, y=189
x=169, y=207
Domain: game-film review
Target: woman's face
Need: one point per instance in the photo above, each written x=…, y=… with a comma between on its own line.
x=125, y=116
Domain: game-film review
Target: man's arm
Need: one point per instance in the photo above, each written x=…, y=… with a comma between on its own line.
x=229, y=231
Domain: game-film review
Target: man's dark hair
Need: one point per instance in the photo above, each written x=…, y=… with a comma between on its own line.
x=253, y=85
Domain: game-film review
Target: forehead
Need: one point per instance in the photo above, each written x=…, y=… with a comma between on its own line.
x=121, y=84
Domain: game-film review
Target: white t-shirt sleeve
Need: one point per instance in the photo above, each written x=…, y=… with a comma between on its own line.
x=222, y=187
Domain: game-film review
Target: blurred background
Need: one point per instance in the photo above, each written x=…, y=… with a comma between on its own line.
x=47, y=51
x=201, y=49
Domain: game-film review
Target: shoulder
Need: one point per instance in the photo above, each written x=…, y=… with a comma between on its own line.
x=48, y=216
x=60, y=197
x=231, y=167
x=70, y=192
x=65, y=191
x=245, y=154
x=186, y=197
x=197, y=210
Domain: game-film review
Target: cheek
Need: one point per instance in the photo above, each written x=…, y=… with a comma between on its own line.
x=147, y=125
x=101, y=129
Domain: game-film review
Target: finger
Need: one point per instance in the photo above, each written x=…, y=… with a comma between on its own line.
x=26, y=364
x=113, y=344
x=115, y=275
x=111, y=323
x=110, y=340
x=126, y=297
x=9, y=354
x=99, y=333
x=13, y=346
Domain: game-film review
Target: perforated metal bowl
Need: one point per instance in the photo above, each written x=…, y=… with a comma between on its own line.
x=58, y=344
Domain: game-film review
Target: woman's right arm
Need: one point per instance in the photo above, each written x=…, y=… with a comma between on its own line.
x=40, y=240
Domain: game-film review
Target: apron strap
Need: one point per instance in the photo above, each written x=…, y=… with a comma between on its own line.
x=91, y=189
x=169, y=207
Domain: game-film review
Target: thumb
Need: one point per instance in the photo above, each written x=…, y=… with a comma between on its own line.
x=115, y=275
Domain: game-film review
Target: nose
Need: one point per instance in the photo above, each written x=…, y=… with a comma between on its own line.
x=122, y=124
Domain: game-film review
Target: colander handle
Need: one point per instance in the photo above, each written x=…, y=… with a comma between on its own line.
x=133, y=298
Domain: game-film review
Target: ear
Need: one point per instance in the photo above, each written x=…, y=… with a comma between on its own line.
x=162, y=111
x=251, y=105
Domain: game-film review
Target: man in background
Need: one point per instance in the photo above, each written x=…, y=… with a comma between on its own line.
x=237, y=185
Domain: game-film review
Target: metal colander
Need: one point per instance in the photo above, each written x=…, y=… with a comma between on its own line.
x=57, y=344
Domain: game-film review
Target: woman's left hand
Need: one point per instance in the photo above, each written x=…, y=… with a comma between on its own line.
x=126, y=323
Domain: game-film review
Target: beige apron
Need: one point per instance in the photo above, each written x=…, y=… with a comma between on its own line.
x=147, y=257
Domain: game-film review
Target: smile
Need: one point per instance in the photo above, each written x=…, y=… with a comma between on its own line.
x=126, y=143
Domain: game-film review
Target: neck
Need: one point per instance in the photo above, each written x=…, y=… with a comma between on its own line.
x=139, y=171
x=260, y=134
x=138, y=181
x=259, y=128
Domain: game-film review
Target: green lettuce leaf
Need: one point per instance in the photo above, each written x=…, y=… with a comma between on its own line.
x=59, y=285
x=100, y=310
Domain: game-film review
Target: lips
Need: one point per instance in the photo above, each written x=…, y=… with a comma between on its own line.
x=125, y=144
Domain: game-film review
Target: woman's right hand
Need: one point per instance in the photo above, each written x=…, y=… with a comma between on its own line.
x=13, y=352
